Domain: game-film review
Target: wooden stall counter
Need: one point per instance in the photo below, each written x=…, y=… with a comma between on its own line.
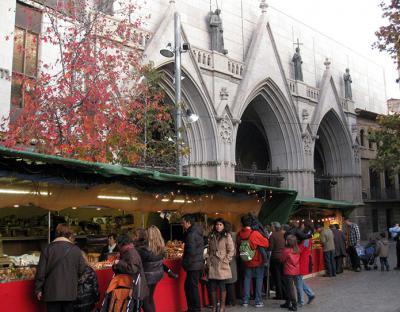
x=169, y=295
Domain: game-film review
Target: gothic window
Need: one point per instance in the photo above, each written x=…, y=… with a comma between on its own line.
x=25, y=52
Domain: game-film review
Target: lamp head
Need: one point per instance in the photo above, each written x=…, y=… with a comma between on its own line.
x=168, y=51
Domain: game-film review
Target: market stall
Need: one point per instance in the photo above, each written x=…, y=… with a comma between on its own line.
x=322, y=211
x=38, y=191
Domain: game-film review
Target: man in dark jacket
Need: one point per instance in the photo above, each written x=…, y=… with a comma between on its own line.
x=276, y=245
x=192, y=261
x=340, y=247
x=60, y=266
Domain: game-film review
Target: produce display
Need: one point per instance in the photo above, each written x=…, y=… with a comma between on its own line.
x=174, y=250
x=15, y=274
x=316, y=241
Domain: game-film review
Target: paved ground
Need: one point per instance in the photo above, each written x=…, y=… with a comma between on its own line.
x=367, y=291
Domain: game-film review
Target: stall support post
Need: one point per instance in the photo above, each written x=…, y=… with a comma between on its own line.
x=49, y=227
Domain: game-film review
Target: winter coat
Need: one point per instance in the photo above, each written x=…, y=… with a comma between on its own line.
x=58, y=271
x=152, y=265
x=193, y=259
x=256, y=240
x=105, y=251
x=305, y=252
x=326, y=237
x=233, y=264
x=130, y=263
x=291, y=262
x=220, y=252
x=300, y=235
x=276, y=244
x=382, y=248
x=340, y=243
x=88, y=291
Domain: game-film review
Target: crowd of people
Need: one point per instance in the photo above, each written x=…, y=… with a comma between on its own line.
x=228, y=263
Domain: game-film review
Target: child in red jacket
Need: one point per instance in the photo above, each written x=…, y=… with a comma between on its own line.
x=291, y=269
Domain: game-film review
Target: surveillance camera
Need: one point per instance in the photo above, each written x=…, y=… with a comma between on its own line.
x=185, y=46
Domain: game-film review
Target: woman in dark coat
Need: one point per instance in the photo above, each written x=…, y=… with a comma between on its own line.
x=152, y=252
x=130, y=263
x=60, y=266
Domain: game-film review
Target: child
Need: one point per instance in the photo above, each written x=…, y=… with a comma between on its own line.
x=88, y=289
x=383, y=251
x=291, y=269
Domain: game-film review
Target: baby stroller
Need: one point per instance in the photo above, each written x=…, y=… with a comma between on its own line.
x=122, y=294
x=368, y=256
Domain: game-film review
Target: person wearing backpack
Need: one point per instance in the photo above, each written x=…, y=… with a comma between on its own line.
x=60, y=266
x=249, y=242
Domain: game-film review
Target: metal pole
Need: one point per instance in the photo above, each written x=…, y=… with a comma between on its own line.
x=178, y=108
x=49, y=227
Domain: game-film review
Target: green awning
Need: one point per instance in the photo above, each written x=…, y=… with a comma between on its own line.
x=53, y=170
x=319, y=203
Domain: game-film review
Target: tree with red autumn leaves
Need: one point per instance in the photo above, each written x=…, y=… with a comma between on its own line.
x=96, y=101
x=389, y=35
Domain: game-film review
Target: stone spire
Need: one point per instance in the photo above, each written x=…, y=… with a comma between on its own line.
x=263, y=6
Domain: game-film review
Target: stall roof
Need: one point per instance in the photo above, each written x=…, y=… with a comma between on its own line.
x=72, y=179
x=109, y=170
x=346, y=206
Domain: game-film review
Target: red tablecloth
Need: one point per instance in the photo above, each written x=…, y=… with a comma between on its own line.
x=169, y=295
x=317, y=260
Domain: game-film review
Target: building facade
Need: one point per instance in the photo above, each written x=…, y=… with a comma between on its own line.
x=380, y=190
x=266, y=116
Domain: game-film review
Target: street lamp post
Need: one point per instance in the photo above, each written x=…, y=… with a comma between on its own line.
x=191, y=117
x=178, y=106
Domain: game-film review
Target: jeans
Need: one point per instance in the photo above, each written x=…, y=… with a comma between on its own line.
x=302, y=288
x=258, y=274
x=192, y=291
x=330, y=262
x=384, y=263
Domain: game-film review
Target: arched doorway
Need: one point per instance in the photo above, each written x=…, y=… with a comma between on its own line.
x=333, y=159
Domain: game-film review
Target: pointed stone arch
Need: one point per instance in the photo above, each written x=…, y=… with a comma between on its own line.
x=200, y=136
x=281, y=127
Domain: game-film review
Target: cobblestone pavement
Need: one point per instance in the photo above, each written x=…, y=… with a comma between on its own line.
x=367, y=291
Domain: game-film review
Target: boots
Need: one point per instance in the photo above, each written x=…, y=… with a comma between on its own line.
x=213, y=301
x=293, y=307
x=223, y=300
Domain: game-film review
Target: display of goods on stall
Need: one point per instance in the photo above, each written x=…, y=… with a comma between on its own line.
x=174, y=250
x=316, y=241
x=16, y=274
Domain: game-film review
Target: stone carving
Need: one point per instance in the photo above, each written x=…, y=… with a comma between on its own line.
x=305, y=114
x=4, y=74
x=263, y=6
x=296, y=60
x=327, y=63
x=217, y=32
x=307, y=142
x=347, y=85
x=356, y=150
x=226, y=130
x=224, y=93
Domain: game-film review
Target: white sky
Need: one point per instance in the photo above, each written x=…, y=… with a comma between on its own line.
x=351, y=22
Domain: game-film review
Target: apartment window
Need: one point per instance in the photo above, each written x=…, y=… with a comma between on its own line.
x=362, y=137
x=25, y=53
x=72, y=8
